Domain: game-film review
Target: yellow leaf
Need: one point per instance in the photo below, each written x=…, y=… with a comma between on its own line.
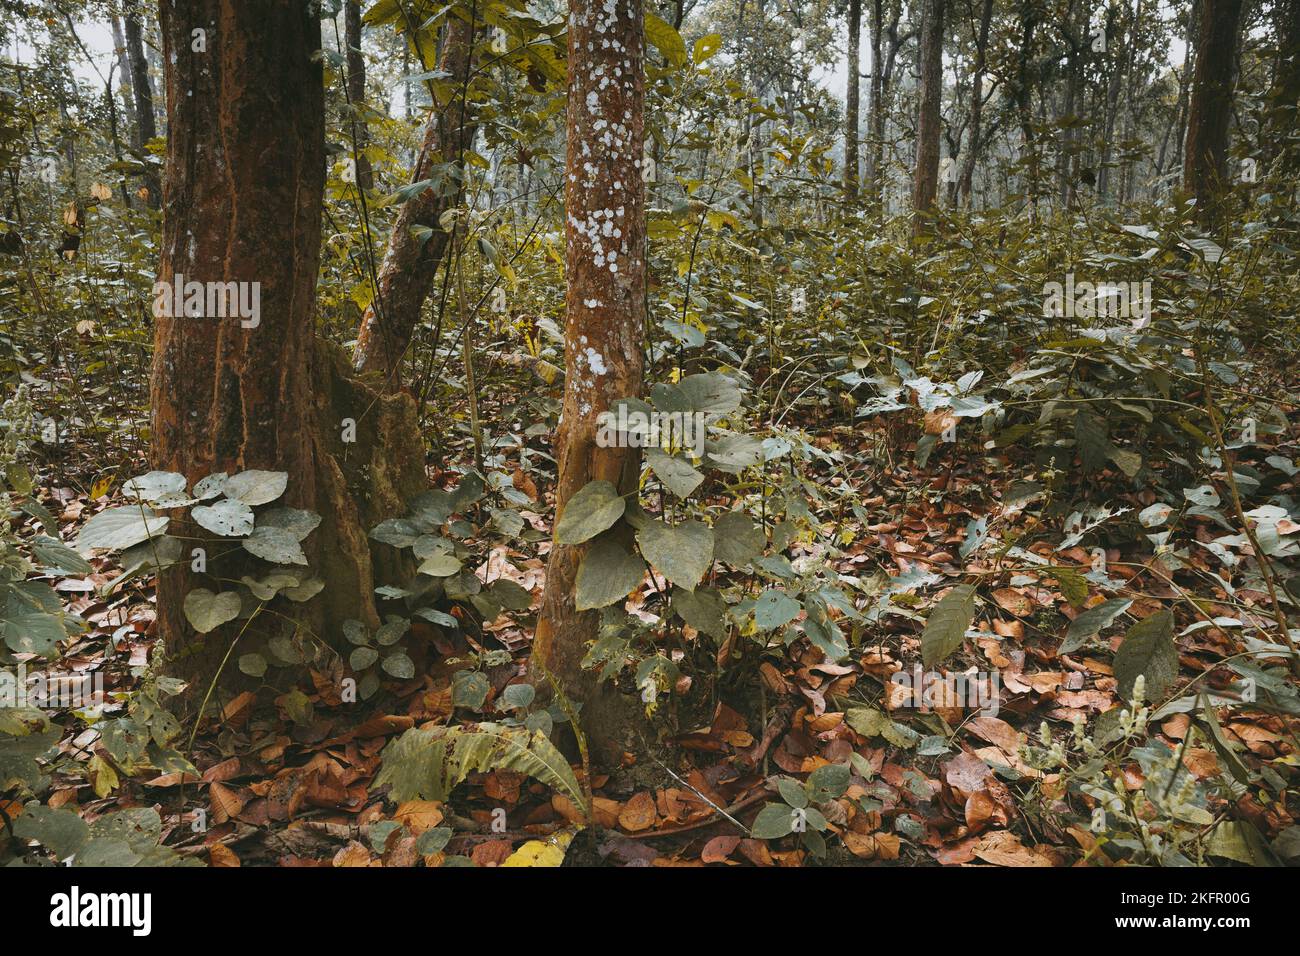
x=548, y=852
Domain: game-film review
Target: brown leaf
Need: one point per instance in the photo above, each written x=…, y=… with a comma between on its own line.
x=638, y=813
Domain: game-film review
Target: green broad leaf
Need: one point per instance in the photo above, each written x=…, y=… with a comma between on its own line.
x=607, y=575
x=275, y=545
x=155, y=486
x=666, y=40
x=828, y=782
x=945, y=629
x=53, y=553
x=470, y=689
x=682, y=553
x=1072, y=584
x=1093, y=437
x=362, y=657
x=705, y=47
x=509, y=595
x=398, y=665
x=1148, y=649
x=296, y=521
x=257, y=487
x=592, y=509
x=517, y=696
x=114, y=529
x=228, y=517
x=792, y=792
x=775, y=609
x=60, y=831
x=254, y=665
x=1091, y=623
x=266, y=588
x=398, y=532
x=733, y=453
x=211, y=486
x=703, y=609
x=678, y=476
x=440, y=565
x=441, y=618
x=774, y=821
x=866, y=721
x=207, y=611
x=737, y=540
x=305, y=591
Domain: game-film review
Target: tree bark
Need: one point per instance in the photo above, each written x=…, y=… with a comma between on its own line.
x=244, y=189
x=124, y=70
x=356, y=61
x=926, y=176
x=851, y=112
x=1205, y=172
x=967, y=174
x=605, y=324
x=145, y=128
x=1284, y=96
x=411, y=260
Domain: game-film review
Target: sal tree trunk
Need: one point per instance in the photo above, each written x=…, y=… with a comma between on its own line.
x=411, y=260
x=604, y=202
x=145, y=129
x=1205, y=172
x=357, y=92
x=244, y=179
x=925, y=181
x=851, y=113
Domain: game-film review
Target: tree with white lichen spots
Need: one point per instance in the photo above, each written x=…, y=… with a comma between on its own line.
x=605, y=317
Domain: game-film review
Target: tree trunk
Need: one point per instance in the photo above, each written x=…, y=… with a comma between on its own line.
x=145, y=128
x=1205, y=160
x=876, y=119
x=851, y=101
x=411, y=260
x=926, y=176
x=357, y=92
x=245, y=178
x=605, y=320
x=1284, y=97
x=976, y=106
x=124, y=71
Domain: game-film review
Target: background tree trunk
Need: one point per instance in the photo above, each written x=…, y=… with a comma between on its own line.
x=851, y=112
x=1205, y=161
x=604, y=200
x=1284, y=97
x=245, y=178
x=976, y=107
x=357, y=91
x=926, y=176
x=145, y=129
x=410, y=263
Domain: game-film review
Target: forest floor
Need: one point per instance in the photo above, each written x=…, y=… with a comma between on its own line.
x=284, y=785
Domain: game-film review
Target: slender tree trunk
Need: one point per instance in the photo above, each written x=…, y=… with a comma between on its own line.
x=928, y=120
x=145, y=128
x=851, y=112
x=605, y=320
x=976, y=106
x=1284, y=97
x=245, y=179
x=124, y=71
x=876, y=119
x=357, y=92
x=1205, y=161
x=411, y=260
